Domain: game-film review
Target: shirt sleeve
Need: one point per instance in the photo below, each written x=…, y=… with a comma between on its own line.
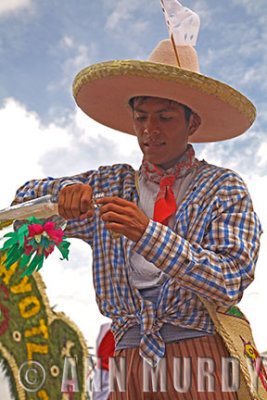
x=111, y=180
x=78, y=228
x=217, y=256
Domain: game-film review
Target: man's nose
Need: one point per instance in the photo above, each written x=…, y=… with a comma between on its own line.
x=151, y=126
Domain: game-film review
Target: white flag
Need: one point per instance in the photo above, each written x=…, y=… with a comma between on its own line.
x=183, y=24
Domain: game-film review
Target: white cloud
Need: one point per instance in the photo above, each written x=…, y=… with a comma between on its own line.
x=205, y=12
x=11, y=6
x=124, y=10
x=81, y=56
x=234, y=49
x=92, y=145
x=67, y=41
x=261, y=155
x=80, y=60
x=23, y=141
x=131, y=20
x=263, y=112
x=74, y=57
x=255, y=7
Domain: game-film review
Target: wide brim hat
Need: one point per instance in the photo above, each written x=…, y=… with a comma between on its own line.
x=103, y=92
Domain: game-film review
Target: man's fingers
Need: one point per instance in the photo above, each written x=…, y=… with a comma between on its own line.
x=111, y=216
x=88, y=214
x=117, y=205
x=62, y=205
x=112, y=200
x=114, y=208
x=84, y=203
x=75, y=201
x=71, y=205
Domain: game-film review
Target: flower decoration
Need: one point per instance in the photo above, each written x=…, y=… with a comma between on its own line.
x=32, y=243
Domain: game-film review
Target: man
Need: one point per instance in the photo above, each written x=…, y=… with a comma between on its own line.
x=178, y=229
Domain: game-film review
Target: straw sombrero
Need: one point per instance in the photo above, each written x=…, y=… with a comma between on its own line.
x=103, y=92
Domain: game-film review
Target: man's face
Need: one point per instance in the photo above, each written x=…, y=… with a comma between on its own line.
x=161, y=129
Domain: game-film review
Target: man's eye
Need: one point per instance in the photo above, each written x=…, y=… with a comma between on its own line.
x=165, y=118
x=140, y=117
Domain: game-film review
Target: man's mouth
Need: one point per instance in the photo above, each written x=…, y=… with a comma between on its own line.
x=153, y=144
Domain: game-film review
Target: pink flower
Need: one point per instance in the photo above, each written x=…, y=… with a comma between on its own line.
x=35, y=229
x=55, y=235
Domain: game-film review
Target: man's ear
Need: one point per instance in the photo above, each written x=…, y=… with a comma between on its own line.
x=194, y=123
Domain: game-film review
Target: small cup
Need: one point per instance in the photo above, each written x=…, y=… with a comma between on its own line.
x=114, y=235
x=95, y=197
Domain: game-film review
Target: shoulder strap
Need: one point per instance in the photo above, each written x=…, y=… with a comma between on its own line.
x=136, y=176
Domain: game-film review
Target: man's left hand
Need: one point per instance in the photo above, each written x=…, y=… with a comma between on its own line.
x=123, y=217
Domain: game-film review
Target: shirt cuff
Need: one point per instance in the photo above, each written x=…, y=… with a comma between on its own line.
x=165, y=249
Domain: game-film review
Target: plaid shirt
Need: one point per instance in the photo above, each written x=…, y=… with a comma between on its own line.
x=212, y=251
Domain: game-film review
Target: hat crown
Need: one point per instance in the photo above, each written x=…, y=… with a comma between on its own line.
x=164, y=54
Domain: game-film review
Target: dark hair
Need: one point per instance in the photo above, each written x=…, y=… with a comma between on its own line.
x=187, y=110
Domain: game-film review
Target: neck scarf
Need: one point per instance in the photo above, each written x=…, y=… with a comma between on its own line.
x=165, y=204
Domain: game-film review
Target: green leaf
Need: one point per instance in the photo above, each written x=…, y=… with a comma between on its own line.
x=23, y=230
x=24, y=260
x=10, y=234
x=63, y=248
x=27, y=272
x=22, y=240
x=34, y=220
x=9, y=243
x=35, y=261
x=34, y=266
x=12, y=257
x=40, y=263
x=65, y=244
x=13, y=252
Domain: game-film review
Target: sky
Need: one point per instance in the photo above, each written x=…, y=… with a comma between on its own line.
x=44, y=44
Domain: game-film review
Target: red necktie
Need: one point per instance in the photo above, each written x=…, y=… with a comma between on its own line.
x=165, y=204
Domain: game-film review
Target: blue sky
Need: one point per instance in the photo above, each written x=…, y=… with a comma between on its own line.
x=44, y=44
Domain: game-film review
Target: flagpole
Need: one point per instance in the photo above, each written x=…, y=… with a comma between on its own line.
x=175, y=51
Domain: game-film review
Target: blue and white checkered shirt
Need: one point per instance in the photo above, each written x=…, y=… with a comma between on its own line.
x=211, y=251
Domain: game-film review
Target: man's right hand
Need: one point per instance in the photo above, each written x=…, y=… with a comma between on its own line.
x=75, y=201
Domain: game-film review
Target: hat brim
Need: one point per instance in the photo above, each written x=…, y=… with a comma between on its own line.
x=103, y=92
